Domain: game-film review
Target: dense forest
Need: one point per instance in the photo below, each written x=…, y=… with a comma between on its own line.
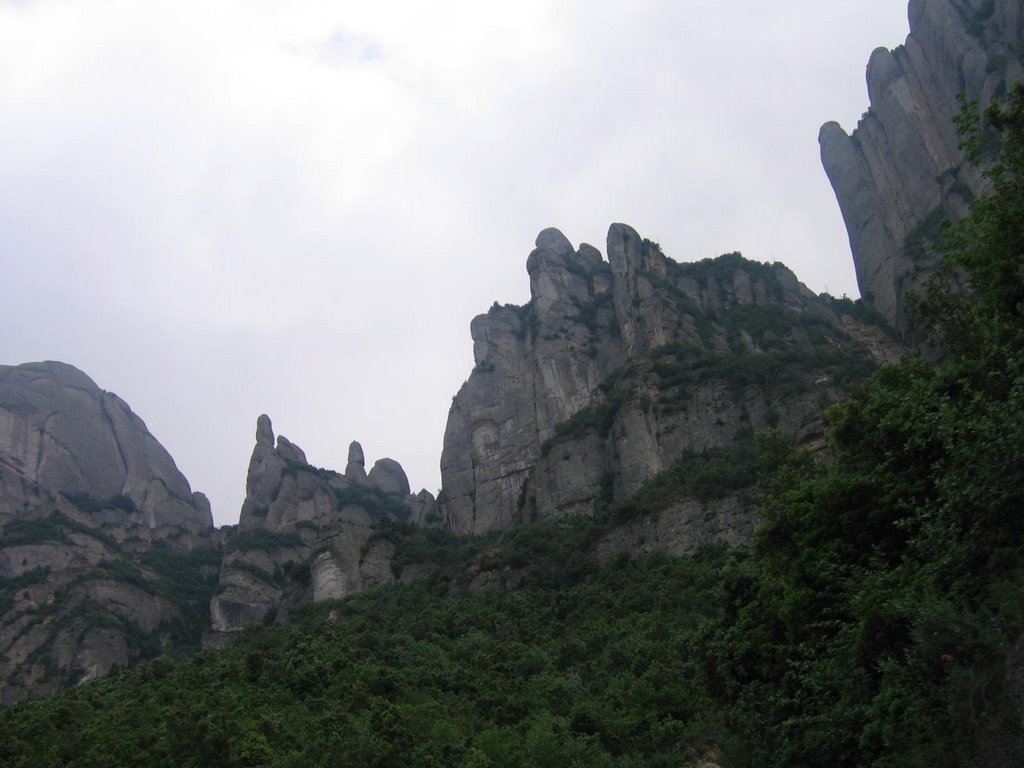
x=876, y=619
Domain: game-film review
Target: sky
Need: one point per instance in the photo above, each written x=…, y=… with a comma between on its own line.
x=224, y=208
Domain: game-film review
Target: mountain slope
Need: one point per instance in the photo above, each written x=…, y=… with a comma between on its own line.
x=106, y=555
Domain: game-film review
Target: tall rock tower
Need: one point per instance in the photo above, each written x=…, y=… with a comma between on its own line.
x=901, y=171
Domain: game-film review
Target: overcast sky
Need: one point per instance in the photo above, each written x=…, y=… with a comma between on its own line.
x=224, y=208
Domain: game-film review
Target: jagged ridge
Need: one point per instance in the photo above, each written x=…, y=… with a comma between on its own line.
x=628, y=364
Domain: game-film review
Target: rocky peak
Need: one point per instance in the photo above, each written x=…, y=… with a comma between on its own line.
x=389, y=477
x=583, y=344
x=901, y=171
x=60, y=434
x=96, y=526
x=306, y=533
x=355, y=468
x=560, y=277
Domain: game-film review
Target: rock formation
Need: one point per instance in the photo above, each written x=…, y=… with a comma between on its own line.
x=97, y=525
x=615, y=369
x=308, y=534
x=902, y=171
x=60, y=434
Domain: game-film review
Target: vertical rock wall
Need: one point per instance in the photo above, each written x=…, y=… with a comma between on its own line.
x=901, y=170
x=578, y=397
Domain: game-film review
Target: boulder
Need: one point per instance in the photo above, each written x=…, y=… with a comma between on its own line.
x=389, y=477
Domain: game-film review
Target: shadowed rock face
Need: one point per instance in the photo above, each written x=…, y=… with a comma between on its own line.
x=902, y=170
x=85, y=493
x=615, y=369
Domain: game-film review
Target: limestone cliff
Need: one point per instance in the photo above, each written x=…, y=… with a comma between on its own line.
x=616, y=369
x=308, y=534
x=105, y=552
x=901, y=171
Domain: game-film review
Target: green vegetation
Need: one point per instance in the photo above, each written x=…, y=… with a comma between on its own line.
x=598, y=418
x=406, y=676
x=527, y=321
x=713, y=474
x=11, y=586
x=292, y=468
x=722, y=269
x=185, y=580
x=591, y=311
x=879, y=614
x=275, y=579
x=188, y=581
x=378, y=504
x=856, y=308
x=924, y=239
x=781, y=363
x=260, y=538
x=777, y=373
x=21, y=531
x=87, y=503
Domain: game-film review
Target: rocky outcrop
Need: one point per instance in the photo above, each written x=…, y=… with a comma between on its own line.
x=901, y=171
x=106, y=554
x=60, y=434
x=308, y=534
x=388, y=476
x=615, y=369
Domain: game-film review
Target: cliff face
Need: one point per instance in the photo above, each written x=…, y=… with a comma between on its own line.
x=901, y=171
x=61, y=434
x=616, y=369
x=308, y=534
x=106, y=555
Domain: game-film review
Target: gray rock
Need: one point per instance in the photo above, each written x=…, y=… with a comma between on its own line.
x=388, y=476
x=426, y=513
x=903, y=162
x=349, y=561
x=264, y=430
x=62, y=434
x=80, y=468
x=355, y=469
x=509, y=454
x=80, y=471
x=553, y=240
x=289, y=451
x=201, y=504
x=320, y=522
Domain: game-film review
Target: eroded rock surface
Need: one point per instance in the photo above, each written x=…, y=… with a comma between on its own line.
x=106, y=554
x=62, y=434
x=901, y=170
x=309, y=534
x=616, y=369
